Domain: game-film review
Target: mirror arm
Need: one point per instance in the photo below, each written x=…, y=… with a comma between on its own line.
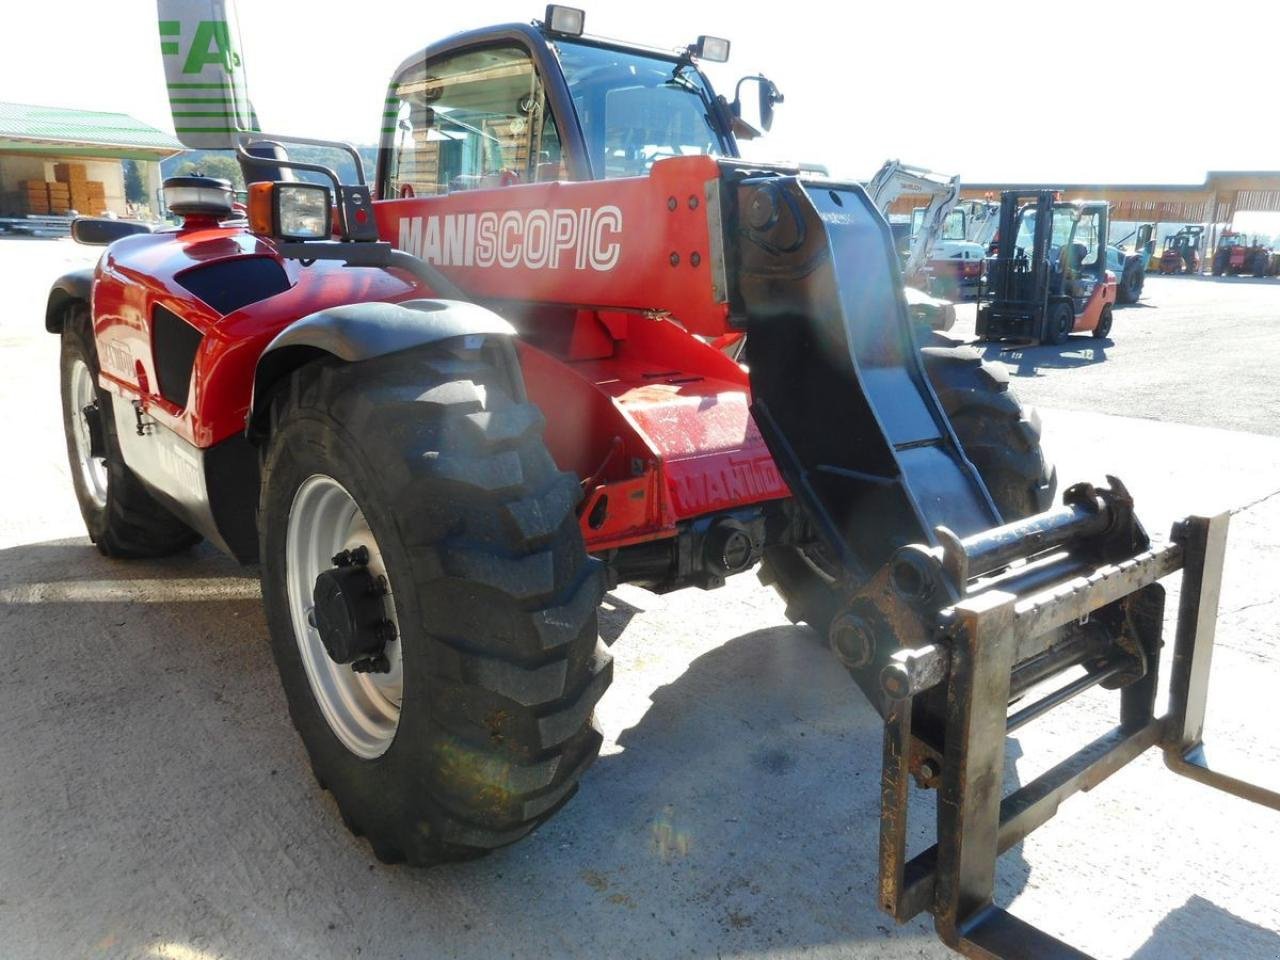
x=342, y=145
x=727, y=112
x=243, y=154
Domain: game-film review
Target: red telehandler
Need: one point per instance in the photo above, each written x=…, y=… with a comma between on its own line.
x=567, y=339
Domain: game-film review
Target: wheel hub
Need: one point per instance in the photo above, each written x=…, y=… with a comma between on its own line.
x=350, y=614
x=92, y=414
x=339, y=589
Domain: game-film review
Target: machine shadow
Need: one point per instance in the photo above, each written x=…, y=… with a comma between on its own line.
x=740, y=815
x=763, y=760
x=615, y=615
x=1028, y=361
x=1199, y=928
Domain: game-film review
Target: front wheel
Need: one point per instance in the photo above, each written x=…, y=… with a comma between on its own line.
x=431, y=604
x=1061, y=320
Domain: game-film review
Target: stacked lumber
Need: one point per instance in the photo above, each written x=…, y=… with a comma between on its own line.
x=59, y=197
x=85, y=196
x=34, y=198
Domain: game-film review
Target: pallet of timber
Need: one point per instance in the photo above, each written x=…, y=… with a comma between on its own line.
x=70, y=172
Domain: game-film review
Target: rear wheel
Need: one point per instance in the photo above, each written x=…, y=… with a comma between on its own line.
x=431, y=603
x=1103, y=329
x=121, y=516
x=998, y=435
x=1130, y=289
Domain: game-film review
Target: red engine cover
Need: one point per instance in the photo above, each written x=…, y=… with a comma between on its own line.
x=609, y=283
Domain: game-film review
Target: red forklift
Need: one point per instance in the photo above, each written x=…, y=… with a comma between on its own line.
x=1051, y=281
x=1181, y=253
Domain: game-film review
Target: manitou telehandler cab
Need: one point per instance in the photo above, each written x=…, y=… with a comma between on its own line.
x=569, y=339
x=1237, y=254
x=1050, y=278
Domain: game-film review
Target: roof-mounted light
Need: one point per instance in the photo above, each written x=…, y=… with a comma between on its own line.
x=711, y=49
x=565, y=20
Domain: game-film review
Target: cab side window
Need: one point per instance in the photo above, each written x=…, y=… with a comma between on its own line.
x=472, y=120
x=1087, y=235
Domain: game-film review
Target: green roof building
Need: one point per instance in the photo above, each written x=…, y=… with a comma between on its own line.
x=33, y=139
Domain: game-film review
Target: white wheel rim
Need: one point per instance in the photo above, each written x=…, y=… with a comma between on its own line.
x=362, y=709
x=93, y=470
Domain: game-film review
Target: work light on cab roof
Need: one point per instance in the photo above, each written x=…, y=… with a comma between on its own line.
x=570, y=22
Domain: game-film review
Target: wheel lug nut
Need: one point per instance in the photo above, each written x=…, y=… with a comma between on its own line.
x=356, y=557
x=374, y=664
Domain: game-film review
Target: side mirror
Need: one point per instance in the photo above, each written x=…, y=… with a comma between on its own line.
x=768, y=95
x=100, y=231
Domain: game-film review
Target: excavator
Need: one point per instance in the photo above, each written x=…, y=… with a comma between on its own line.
x=949, y=266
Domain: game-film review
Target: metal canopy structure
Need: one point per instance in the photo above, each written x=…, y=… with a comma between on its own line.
x=1223, y=194
x=52, y=131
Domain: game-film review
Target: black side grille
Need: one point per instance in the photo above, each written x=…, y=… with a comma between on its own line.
x=175, y=343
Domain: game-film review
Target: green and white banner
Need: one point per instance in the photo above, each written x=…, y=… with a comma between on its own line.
x=208, y=92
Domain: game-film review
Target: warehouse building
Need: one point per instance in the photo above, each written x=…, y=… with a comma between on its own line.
x=50, y=156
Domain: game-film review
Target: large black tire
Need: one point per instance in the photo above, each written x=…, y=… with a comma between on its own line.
x=1131, y=281
x=127, y=521
x=1103, y=329
x=999, y=436
x=1219, y=264
x=1059, y=323
x=495, y=597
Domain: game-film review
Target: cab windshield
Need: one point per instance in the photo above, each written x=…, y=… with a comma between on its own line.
x=635, y=108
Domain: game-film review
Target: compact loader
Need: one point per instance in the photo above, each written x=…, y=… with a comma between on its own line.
x=568, y=338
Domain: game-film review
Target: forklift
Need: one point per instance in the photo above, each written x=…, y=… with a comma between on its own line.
x=1049, y=278
x=1181, y=252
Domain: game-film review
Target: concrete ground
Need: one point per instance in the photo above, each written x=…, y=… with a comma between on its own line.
x=155, y=802
x=1196, y=350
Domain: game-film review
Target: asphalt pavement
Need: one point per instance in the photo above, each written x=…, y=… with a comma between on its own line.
x=1200, y=350
x=156, y=803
